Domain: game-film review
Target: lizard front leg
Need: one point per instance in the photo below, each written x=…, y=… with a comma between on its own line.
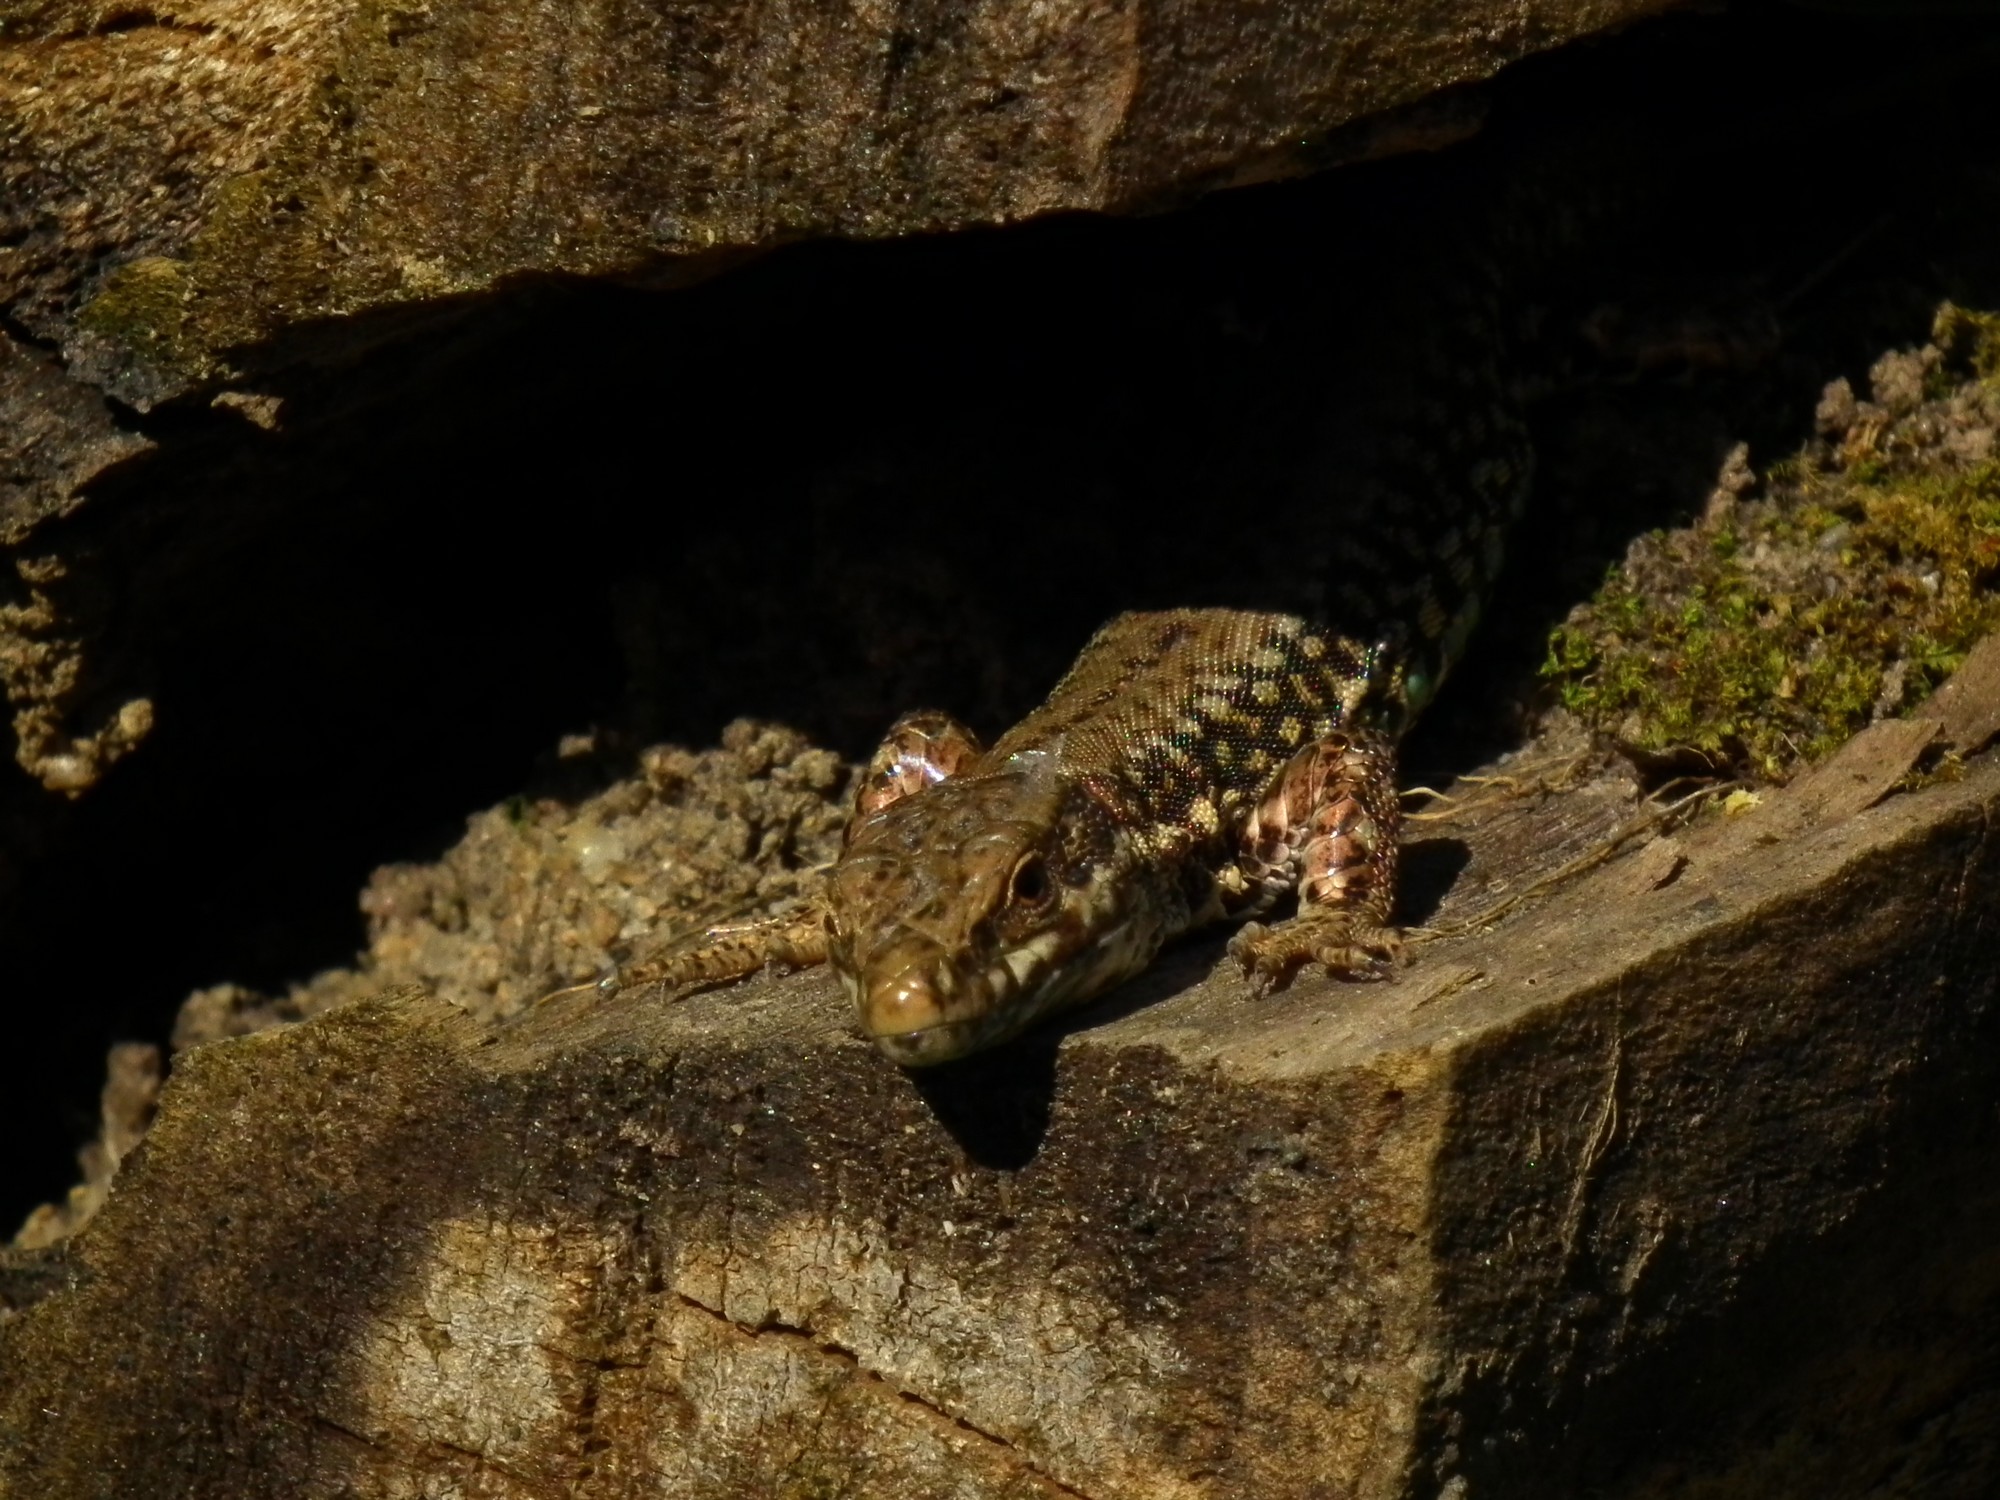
x=920, y=749
x=730, y=950
x=1332, y=819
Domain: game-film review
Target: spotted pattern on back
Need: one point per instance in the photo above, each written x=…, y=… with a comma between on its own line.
x=1184, y=715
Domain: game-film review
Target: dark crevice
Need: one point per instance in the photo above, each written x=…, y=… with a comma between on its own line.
x=18, y=331
x=137, y=19
x=144, y=18
x=344, y=1434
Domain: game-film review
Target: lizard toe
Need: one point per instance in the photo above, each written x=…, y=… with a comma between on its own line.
x=1270, y=956
x=1348, y=945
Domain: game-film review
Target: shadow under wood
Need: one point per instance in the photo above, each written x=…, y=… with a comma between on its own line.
x=1865, y=1359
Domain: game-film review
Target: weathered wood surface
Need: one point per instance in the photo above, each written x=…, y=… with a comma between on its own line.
x=181, y=183
x=1655, y=1188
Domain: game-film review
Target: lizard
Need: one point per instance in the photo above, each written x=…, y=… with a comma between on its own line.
x=1195, y=765
x=1191, y=767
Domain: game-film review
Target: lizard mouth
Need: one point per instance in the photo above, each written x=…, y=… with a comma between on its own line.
x=919, y=1012
x=943, y=1043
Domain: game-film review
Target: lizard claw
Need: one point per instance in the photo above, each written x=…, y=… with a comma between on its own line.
x=1348, y=945
x=1249, y=947
x=596, y=987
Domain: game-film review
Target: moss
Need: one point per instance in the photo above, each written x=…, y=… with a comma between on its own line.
x=277, y=245
x=1771, y=631
x=1970, y=338
x=142, y=300
x=145, y=307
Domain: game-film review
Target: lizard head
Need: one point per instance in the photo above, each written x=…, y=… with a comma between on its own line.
x=964, y=912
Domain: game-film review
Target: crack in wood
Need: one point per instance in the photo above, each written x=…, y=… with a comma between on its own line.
x=810, y=1342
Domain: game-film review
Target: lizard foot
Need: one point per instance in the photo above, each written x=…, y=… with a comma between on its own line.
x=1351, y=945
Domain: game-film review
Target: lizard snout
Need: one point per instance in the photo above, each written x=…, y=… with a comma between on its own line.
x=906, y=1002
x=915, y=1006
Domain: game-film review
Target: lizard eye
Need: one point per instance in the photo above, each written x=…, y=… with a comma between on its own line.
x=1030, y=886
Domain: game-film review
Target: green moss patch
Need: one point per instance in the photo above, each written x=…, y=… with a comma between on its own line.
x=143, y=307
x=1839, y=588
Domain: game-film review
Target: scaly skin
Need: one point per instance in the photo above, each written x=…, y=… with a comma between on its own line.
x=1192, y=766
